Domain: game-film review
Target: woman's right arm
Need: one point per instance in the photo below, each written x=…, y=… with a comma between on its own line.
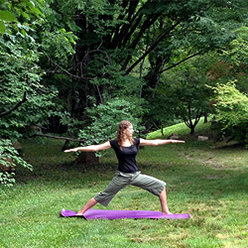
x=91, y=148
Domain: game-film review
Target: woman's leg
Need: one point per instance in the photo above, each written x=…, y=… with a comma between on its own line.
x=155, y=186
x=163, y=201
x=105, y=196
x=91, y=203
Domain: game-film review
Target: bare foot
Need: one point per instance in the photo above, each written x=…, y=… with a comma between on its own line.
x=167, y=212
x=79, y=214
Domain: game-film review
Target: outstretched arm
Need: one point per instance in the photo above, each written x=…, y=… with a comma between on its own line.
x=158, y=142
x=92, y=148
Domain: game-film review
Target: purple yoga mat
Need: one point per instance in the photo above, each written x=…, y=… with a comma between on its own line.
x=122, y=214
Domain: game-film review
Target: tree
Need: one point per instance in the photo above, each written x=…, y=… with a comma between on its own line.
x=234, y=63
x=185, y=93
x=86, y=55
x=119, y=37
x=24, y=101
x=18, y=82
x=231, y=112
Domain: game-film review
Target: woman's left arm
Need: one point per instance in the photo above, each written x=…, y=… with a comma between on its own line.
x=158, y=142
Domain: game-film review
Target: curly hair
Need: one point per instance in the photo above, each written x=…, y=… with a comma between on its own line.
x=123, y=125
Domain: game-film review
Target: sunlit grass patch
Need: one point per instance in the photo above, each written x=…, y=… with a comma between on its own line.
x=180, y=129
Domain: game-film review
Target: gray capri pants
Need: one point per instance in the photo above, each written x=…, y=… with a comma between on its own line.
x=121, y=180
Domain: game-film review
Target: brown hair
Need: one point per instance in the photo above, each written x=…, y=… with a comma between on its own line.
x=123, y=125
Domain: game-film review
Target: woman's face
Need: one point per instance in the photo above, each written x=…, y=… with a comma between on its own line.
x=129, y=131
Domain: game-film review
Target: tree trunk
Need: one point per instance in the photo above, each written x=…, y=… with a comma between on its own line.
x=87, y=158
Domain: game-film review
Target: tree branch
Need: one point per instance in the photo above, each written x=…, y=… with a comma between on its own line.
x=151, y=48
x=168, y=68
x=24, y=99
x=57, y=137
x=120, y=32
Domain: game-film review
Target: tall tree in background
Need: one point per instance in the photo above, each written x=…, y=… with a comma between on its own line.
x=116, y=39
x=183, y=92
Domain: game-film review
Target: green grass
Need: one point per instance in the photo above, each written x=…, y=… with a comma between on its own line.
x=207, y=182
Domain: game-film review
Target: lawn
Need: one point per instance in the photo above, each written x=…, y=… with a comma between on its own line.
x=209, y=183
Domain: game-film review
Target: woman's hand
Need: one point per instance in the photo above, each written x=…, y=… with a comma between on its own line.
x=158, y=142
x=71, y=150
x=177, y=141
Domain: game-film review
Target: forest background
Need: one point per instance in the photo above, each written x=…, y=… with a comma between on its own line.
x=73, y=69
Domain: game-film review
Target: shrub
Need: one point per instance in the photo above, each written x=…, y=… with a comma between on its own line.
x=9, y=159
x=231, y=112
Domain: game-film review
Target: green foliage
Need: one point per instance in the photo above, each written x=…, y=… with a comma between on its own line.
x=96, y=12
x=9, y=159
x=60, y=55
x=183, y=92
x=5, y=16
x=24, y=99
x=238, y=50
x=20, y=79
x=203, y=27
x=233, y=60
x=231, y=112
x=119, y=100
x=119, y=37
x=58, y=45
x=104, y=120
x=14, y=11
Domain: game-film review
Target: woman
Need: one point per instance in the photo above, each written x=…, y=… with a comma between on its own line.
x=126, y=149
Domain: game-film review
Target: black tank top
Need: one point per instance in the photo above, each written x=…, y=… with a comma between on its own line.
x=127, y=156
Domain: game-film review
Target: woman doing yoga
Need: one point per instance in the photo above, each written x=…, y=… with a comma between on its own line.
x=126, y=149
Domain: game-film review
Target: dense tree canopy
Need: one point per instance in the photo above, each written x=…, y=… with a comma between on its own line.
x=85, y=65
x=141, y=39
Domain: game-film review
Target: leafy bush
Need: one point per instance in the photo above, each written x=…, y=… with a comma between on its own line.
x=231, y=112
x=25, y=100
x=9, y=159
x=106, y=117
